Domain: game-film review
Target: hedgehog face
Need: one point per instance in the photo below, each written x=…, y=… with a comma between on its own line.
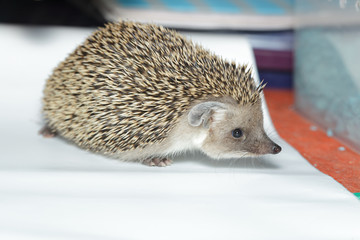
x=235, y=131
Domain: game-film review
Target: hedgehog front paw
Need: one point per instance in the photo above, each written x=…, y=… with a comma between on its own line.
x=157, y=161
x=47, y=132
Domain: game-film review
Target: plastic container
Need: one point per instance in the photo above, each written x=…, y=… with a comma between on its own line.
x=327, y=66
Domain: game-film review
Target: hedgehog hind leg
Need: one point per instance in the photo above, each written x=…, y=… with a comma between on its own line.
x=157, y=162
x=47, y=132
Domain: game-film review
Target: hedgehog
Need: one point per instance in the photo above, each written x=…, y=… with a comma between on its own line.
x=142, y=92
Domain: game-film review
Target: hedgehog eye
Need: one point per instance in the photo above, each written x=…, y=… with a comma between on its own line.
x=237, y=133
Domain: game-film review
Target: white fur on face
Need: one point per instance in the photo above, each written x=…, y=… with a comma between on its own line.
x=199, y=139
x=219, y=115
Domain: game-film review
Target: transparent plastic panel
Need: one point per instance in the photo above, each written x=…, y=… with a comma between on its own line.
x=327, y=66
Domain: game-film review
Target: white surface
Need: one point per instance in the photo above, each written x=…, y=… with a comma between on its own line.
x=50, y=189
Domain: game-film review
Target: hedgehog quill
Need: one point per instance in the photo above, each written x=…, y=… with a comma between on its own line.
x=142, y=92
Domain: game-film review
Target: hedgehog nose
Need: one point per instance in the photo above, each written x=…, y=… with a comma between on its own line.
x=276, y=149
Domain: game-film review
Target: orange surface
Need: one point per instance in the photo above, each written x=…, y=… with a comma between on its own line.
x=320, y=150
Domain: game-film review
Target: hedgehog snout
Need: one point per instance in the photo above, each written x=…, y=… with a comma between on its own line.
x=276, y=149
x=269, y=147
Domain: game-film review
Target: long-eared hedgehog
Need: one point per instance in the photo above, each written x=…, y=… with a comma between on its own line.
x=142, y=92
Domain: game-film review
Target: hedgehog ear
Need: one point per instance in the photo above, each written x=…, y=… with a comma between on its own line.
x=202, y=112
